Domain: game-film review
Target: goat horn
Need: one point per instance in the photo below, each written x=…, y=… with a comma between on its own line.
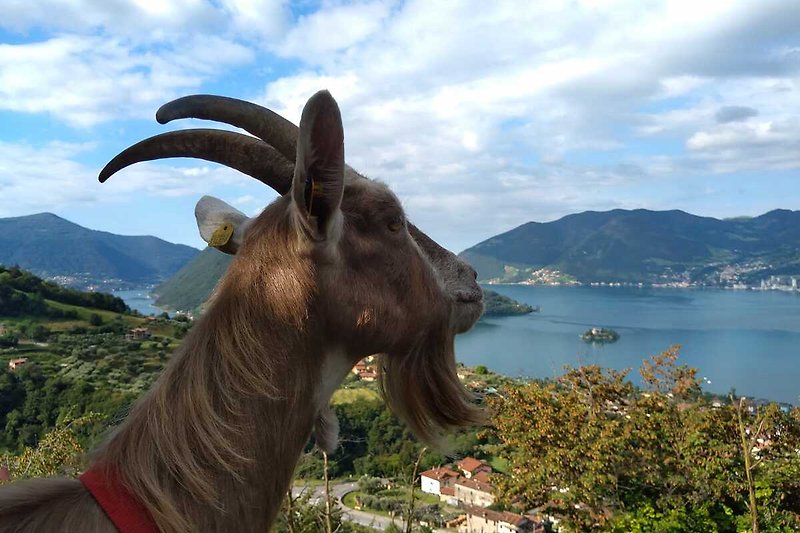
x=244, y=153
x=260, y=121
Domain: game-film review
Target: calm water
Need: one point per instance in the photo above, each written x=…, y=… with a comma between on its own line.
x=749, y=340
x=139, y=300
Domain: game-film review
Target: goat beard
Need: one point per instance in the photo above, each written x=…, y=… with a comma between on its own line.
x=422, y=387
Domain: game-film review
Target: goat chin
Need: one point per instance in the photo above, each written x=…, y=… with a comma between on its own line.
x=465, y=315
x=422, y=387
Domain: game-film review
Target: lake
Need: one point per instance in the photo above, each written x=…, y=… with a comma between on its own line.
x=139, y=300
x=749, y=340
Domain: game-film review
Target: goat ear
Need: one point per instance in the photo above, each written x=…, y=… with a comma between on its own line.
x=319, y=171
x=221, y=225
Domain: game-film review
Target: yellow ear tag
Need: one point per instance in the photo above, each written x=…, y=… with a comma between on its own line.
x=221, y=235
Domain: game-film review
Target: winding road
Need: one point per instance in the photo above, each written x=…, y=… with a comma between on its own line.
x=338, y=491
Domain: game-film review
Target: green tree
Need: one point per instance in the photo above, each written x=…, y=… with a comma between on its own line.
x=9, y=340
x=58, y=453
x=596, y=451
x=39, y=333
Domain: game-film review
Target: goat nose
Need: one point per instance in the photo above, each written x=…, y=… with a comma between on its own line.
x=467, y=269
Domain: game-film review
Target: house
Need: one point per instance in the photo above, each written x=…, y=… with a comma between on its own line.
x=365, y=371
x=138, y=334
x=471, y=466
x=474, y=492
x=3, y=329
x=434, y=480
x=477, y=520
x=16, y=363
x=448, y=496
x=485, y=521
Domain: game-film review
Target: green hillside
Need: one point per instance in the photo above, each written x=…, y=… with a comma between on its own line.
x=75, y=355
x=53, y=247
x=498, y=305
x=645, y=246
x=192, y=285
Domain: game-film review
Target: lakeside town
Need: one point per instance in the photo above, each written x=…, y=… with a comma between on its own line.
x=729, y=277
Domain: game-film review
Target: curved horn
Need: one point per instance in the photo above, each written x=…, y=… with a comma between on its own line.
x=260, y=121
x=246, y=154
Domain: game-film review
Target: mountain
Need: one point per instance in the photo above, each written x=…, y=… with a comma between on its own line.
x=192, y=285
x=55, y=248
x=643, y=246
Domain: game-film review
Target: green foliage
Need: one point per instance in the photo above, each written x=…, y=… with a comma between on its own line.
x=33, y=400
x=481, y=370
x=95, y=320
x=601, y=454
x=39, y=333
x=58, y=453
x=9, y=340
x=498, y=305
x=646, y=519
x=22, y=293
x=370, y=485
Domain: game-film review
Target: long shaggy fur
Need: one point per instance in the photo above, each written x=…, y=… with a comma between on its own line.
x=422, y=387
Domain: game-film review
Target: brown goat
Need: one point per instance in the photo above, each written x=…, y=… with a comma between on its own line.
x=328, y=273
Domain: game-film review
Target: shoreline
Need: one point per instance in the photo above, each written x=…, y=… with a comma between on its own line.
x=620, y=285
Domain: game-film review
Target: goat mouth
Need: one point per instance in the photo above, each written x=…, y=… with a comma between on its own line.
x=469, y=298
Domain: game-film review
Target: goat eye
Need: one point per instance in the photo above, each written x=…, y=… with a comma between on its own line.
x=396, y=224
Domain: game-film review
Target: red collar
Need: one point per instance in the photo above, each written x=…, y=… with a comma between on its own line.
x=124, y=510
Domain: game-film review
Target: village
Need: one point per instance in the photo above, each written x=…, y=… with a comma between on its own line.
x=468, y=486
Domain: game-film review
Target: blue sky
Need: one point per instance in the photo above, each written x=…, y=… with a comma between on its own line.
x=480, y=115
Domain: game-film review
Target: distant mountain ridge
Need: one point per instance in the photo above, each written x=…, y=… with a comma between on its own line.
x=645, y=246
x=53, y=247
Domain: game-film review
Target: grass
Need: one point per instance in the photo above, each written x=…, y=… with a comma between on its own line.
x=349, y=499
x=499, y=464
x=401, y=494
x=342, y=396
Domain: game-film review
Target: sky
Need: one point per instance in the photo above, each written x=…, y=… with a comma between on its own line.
x=481, y=116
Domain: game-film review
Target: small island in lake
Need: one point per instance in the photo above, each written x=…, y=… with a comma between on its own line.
x=600, y=335
x=498, y=305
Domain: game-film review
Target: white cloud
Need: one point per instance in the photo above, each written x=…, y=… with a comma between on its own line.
x=140, y=19
x=752, y=145
x=50, y=178
x=333, y=28
x=86, y=80
x=531, y=109
x=267, y=19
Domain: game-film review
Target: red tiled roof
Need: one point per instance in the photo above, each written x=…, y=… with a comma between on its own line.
x=482, y=476
x=497, y=516
x=439, y=473
x=474, y=484
x=447, y=491
x=470, y=464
